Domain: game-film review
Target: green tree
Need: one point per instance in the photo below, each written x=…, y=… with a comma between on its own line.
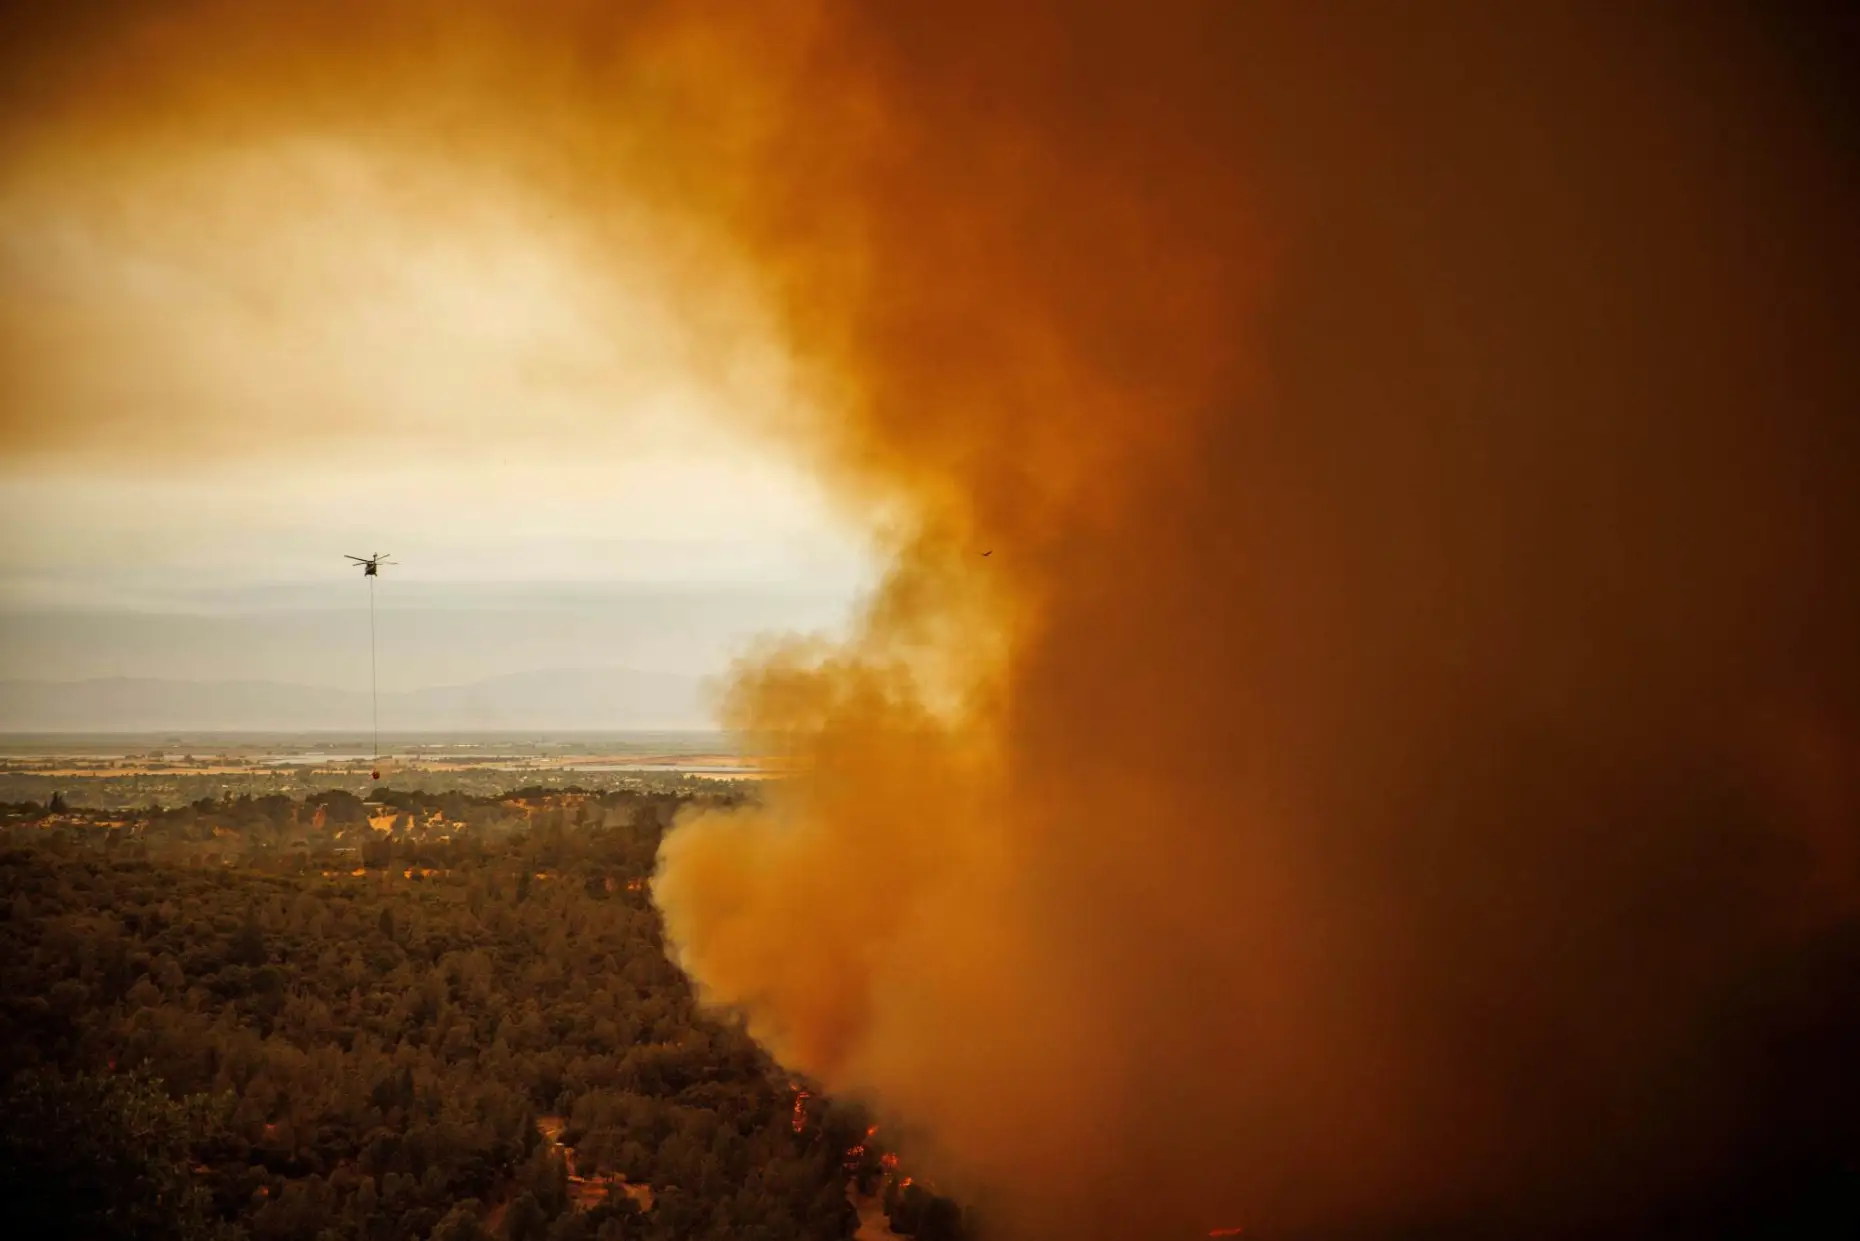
x=461, y=1224
x=103, y=1157
x=248, y=946
x=525, y=1221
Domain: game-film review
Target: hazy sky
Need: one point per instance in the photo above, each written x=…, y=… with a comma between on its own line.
x=248, y=360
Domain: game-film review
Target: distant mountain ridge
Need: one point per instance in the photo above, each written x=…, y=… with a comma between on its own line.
x=568, y=699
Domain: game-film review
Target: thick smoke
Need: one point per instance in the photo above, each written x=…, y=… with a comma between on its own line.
x=1397, y=767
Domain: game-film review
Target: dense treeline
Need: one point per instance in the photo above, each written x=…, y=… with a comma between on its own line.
x=280, y=833
x=423, y=1041
x=101, y=788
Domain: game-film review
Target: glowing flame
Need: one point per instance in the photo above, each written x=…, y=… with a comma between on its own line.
x=857, y=1152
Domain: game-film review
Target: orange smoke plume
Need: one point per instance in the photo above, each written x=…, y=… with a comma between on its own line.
x=1362, y=724
x=1308, y=758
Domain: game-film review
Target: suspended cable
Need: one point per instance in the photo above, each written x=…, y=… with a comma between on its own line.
x=374, y=692
x=371, y=569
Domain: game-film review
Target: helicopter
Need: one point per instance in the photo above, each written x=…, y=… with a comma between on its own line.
x=371, y=565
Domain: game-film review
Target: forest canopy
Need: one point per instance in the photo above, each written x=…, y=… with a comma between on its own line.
x=419, y=1016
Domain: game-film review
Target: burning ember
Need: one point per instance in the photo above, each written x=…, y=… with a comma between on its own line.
x=800, y=1110
x=854, y=1154
x=1225, y=1232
